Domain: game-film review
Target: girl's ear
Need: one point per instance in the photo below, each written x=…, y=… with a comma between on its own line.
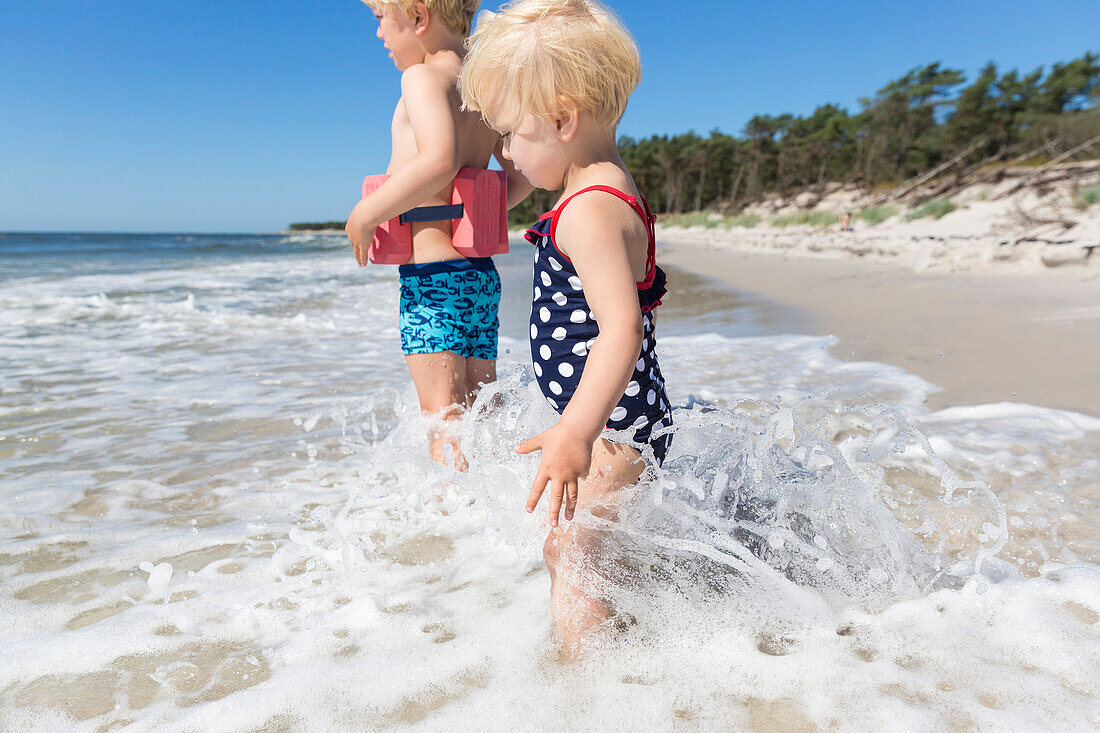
x=420, y=18
x=567, y=119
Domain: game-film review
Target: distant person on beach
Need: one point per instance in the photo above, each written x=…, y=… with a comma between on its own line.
x=554, y=76
x=449, y=304
x=846, y=222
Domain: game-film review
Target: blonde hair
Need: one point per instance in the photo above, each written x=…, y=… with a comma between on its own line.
x=526, y=58
x=456, y=15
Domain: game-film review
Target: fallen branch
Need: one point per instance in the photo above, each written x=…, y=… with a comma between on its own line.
x=1044, y=168
x=897, y=193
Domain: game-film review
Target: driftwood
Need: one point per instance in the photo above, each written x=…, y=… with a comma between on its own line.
x=1045, y=147
x=1028, y=221
x=1044, y=168
x=897, y=193
x=972, y=174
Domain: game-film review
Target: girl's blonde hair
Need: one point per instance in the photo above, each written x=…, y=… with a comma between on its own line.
x=456, y=15
x=525, y=59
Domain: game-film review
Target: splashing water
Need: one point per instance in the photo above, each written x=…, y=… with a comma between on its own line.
x=219, y=514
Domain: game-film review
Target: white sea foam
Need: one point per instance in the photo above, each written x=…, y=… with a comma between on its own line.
x=219, y=514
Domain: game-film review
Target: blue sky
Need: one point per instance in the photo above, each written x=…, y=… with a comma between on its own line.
x=241, y=115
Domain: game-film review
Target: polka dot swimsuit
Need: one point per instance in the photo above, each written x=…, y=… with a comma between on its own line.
x=563, y=329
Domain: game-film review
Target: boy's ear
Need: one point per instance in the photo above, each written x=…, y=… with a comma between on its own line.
x=418, y=13
x=567, y=119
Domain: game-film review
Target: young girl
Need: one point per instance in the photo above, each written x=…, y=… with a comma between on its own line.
x=553, y=76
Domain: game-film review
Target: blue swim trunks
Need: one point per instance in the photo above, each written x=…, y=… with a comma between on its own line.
x=450, y=306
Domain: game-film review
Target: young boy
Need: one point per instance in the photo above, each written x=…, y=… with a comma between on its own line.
x=449, y=304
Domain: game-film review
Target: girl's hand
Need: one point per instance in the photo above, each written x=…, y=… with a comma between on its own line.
x=566, y=458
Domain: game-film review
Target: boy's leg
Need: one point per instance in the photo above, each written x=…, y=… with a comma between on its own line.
x=483, y=326
x=440, y=380
x=576, y=610
x=479, y=372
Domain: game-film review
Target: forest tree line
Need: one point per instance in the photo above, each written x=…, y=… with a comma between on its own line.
x=928, y=117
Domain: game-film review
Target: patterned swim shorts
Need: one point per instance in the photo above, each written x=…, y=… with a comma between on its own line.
x=450, y=306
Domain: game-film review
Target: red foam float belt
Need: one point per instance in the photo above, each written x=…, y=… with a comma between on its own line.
x=478, y=210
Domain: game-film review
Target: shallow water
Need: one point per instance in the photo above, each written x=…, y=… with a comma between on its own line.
x=218, y=514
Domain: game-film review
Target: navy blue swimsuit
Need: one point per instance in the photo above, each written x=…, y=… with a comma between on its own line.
x=563, y=329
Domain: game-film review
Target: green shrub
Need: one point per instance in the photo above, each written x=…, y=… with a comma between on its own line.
x=1090, y=196
x=876, y=214
x=691, y=219
x=805, y=218
x=936, y=208
x=745, y=220
x=709, y=220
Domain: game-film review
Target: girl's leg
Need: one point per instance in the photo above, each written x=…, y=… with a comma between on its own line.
x=569, y=552
x=440, y=381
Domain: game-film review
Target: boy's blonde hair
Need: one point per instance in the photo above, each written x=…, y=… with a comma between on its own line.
x=456, y=15
x=525, y=58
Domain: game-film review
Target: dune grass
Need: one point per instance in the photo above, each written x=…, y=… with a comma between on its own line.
x=1089, y=197
x=805, y=218
x=876, y=214
x=709, y=220
x=745, y=220
x=690, y=219
x=936, y=209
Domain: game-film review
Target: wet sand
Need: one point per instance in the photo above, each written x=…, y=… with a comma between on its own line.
x=983, y=337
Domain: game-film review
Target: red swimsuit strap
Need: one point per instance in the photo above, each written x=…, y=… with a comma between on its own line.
x=642, y=209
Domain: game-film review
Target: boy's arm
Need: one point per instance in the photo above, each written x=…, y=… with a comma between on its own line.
x=598, y=245
x=431, y=101
x=519, y=187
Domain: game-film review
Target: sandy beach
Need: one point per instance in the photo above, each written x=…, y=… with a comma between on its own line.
x=995, y=297
x=984, y=337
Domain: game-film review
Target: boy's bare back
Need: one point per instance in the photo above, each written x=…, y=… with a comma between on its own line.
x=429, y=105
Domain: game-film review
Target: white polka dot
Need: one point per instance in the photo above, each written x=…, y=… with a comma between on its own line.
x=559, y=333
x=651, y=397
x=618, y=414
x=589, y=343
x=544, y=314
x=546, y=279
x=641, y=422
x=580, y=349
x=577, y=316
x=632, y=389
x=565, y=369
x=639, y=366
x=575, y=282
x=554, y=387
x=538, y=369
x=592, y=315
x=534, y=331
x=554, y=263
x=552, y=403
x=559, y=298
x=544, y=350
x=538, y=292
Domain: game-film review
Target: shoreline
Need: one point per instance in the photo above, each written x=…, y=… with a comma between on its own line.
x=983, y=337
x=919, y=249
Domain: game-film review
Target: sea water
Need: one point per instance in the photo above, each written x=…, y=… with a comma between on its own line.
x=217, y=512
